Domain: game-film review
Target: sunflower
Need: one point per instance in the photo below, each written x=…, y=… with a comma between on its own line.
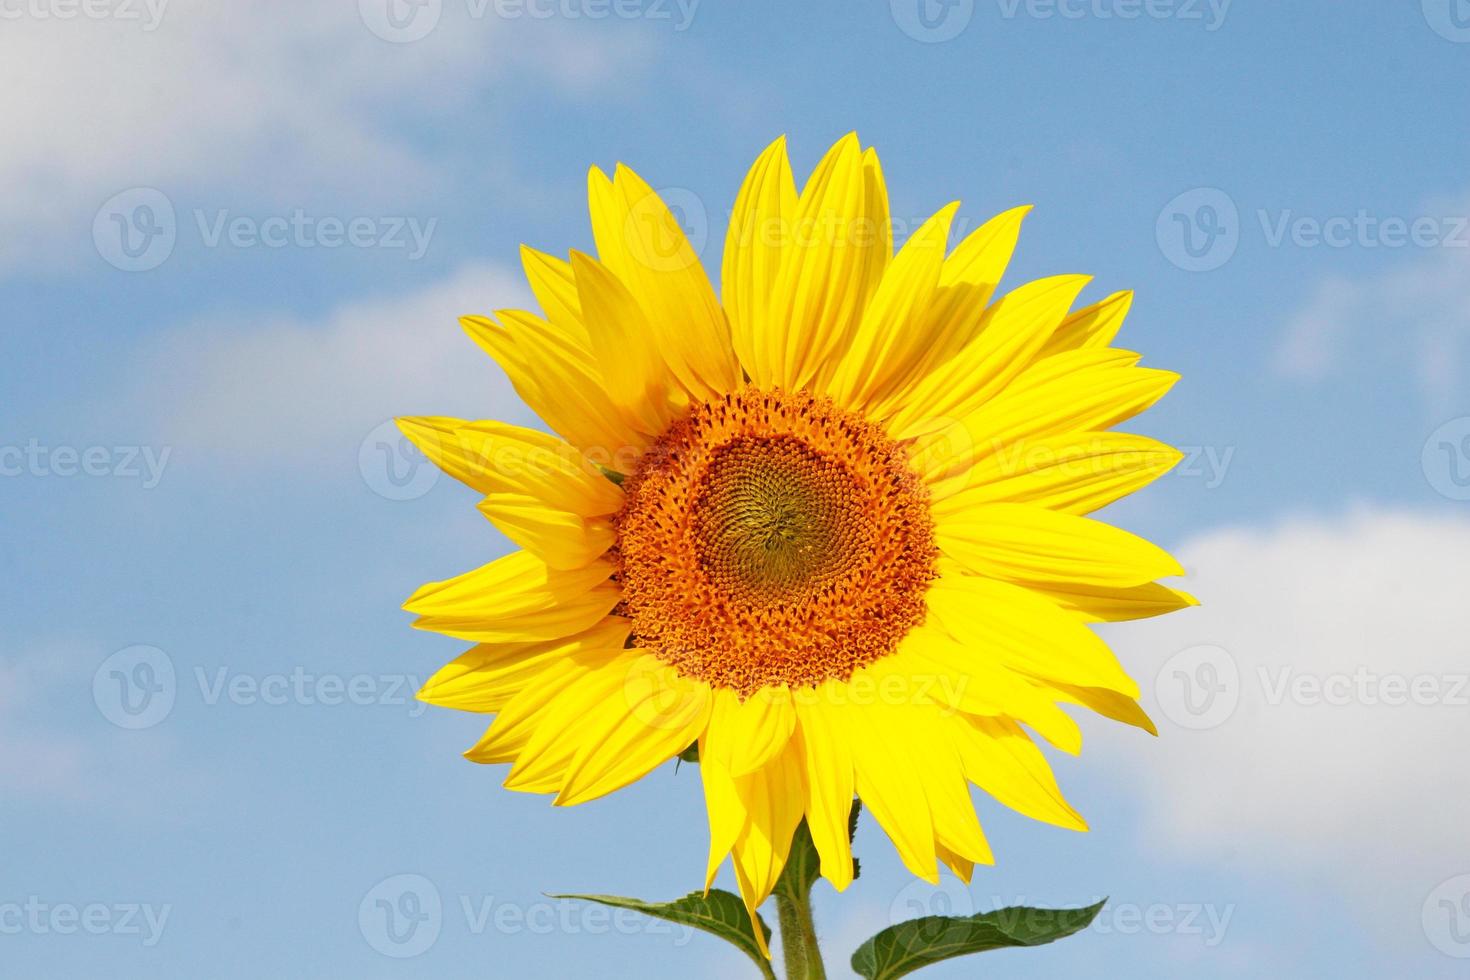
x=828, y=526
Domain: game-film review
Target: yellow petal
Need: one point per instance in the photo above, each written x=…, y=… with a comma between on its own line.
x=1008, y=335
x=1102, y=604
x=1094, y=326
x=772, y=799
x=758, y=239
x=1000, y=759
x=625, y=347
x=745, y=735
x=958, y=676
x=888, y=344
x=827, y=763
x=1075, y=473
x=488, y=675
x=493, y=457
x=1079, y=391
x=825, y=281
x=516, y=598
x=657, y=714
x=511, y=459
x=888, y=783
x=968, y=281
x=538, y=708
x=1025, y=632
x=722, y=803
x=1020, y=542
x=555, y=289
x=1109, y=704
x=932, y=753
x=559, y=382
x=640, y=241
x=561, y=539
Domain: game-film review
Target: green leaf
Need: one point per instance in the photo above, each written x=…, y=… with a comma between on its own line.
x=720, y=914
x=803, y=866
x=900, y=950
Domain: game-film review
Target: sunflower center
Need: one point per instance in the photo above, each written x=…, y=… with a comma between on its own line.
x=771, y=538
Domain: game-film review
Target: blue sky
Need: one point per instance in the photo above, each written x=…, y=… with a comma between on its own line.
x=192, y=478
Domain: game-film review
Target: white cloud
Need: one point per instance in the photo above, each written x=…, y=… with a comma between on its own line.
x=1413, y=318
x=299, y=391
x=274, y=100
x=1293, y=736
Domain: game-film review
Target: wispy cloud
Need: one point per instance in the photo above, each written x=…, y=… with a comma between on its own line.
x=273, y=100
x=1412, y=318
x=306, y=392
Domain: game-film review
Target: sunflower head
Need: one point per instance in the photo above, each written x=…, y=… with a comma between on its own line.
x=829, y=526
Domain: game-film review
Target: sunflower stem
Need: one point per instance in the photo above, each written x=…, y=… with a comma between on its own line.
x=799, y=940
x=794, y=910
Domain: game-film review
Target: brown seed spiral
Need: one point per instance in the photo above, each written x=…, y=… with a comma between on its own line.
x=772, y=538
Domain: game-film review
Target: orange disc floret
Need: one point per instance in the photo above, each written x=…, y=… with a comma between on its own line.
x=773, y=539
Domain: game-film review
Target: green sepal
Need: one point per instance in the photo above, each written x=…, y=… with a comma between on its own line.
x=900, y=950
